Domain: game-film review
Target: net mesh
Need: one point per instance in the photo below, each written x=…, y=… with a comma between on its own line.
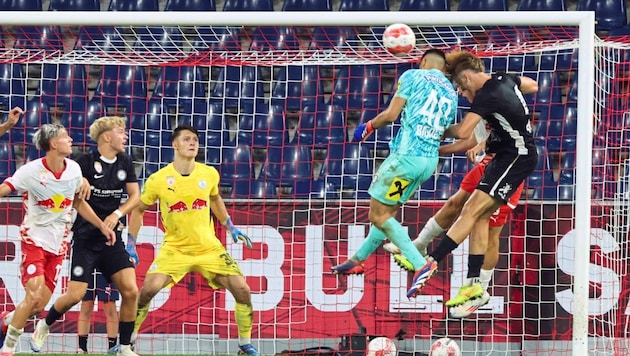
x=276, y=108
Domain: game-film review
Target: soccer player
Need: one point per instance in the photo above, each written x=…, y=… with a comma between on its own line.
x=50, y=187
x=499, y=101
x=107, y=295
x=428, y=103
x=188, y=193
x=110, y=172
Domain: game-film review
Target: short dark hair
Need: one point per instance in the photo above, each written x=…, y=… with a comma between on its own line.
x=436, y=51
x=178, y=131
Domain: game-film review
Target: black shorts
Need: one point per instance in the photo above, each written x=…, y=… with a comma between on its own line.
x=505, y=173
x=107, y=259
x=98, y=287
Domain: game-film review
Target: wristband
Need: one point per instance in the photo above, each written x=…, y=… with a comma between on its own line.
x=118, y=213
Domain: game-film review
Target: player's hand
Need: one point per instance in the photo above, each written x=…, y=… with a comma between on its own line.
x=13, y=117
x=112, y=221
x=237, y=234
x=109, y=234
x=131, y=249
x=84, y=190
x=363, y=131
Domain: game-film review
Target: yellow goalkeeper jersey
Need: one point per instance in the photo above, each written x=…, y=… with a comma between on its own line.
x=185, y=206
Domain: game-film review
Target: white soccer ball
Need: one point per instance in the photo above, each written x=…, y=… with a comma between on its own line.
x=381, y=346
x=445, y=347
x=399, y=39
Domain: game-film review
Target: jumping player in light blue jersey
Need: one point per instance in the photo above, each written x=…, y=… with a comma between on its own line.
x=428, y=103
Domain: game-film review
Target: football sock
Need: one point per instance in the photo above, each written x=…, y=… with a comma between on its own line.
x=142, y=315
x=125, y=330
x=52, y=316
x=244, y=315
x=374, y=239
x=484, y=277
x=446, y=246
x=399, y=237
x=474, y=265
x=430, y=230
x=83, y=342
x=111, y=342
x=13, y=335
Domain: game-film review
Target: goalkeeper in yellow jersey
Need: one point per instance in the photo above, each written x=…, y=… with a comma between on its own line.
x=188, y=192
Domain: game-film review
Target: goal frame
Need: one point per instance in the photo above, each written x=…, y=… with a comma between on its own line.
x=585, y=21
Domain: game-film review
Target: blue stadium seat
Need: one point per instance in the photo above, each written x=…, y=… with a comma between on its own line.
x=7, y=161
x=122, y=86
x=12, y=86
x=482, y=5
x=288, y=165
x=159, y=43
x=36, y=113
x=264, y=129
x=105, y=39
x=216, y=129
x=559, y=60
x=248, y=5
x=74, y=5
x=63, y=84
x=296, y=87
x=262, y=189
x=549, y=86
x=41, y=38
x=190, y=5
x=357, y=169
x=609, y=14
x=426, y=191
x=561, y=132
x=217, y=38
x=306, y=5
x=238, y=85
x=79, y=121
x=324, y=38
x=358, y=87
x=151, y=162
x=322, y=126
x=319, y=189
x=364, y=5
x=277, y=38
x=541, y=5
x=133, y=5
x=182, y=84
x=542, y=177
x=213, y=157
x=22, y=5
x=425, y=5
x=236, y=164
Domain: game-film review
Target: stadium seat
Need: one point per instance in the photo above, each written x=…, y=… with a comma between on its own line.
x=74, y=5
x=297, y=87
x=562, y=132
x=133, y=5
x=22, y=5
x=426, y=191
x=542, y=177
x=103, y=39
x=216, y=130
x=63, y=84
x=319, y=189
x=36, y=113
x=79, y=121
x=190, y=5
x=217, y=38
x=288, y=165
x=324, y=38
x=40, y=38
x=262, y=189
x=609, y=14
x=237, y=86
x=236, y=164
x=276, y=38
x=320, y=127
x=266, y=129
x=549, y=88
x=159, y=43
x=364, y=5
x=248, y=5
x=179, y=84
x=12, y=86
x=425, y=5
x=122, y=86
x=541, y=5
x=7, y=161
x=306, y=5
x=357, y=169
x=358, y=87
x=482, y=5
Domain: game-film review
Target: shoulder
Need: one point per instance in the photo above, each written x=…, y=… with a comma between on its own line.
x=124, y=158
x=72, y=165
x=85, y=158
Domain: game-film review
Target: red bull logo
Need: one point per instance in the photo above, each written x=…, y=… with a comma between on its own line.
x=199, y=204
x=57, y=203
x=178, y=207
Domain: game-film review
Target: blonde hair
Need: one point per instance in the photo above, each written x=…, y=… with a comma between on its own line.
x=45, y=134
x=105, y=124
x=459, y=61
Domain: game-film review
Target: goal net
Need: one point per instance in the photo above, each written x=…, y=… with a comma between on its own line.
x=276, y=105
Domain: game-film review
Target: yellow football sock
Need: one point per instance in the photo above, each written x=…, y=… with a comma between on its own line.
x=244, y=315
x=141, y=316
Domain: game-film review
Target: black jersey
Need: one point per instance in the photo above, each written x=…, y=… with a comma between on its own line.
x=501, y=103
x=108, y=181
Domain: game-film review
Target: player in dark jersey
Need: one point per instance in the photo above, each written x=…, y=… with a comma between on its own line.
x=499, y=101
x=110, y=173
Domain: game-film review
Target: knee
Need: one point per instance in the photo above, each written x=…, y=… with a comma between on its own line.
x=129, y=292
x=242, y=294
x=145, y=297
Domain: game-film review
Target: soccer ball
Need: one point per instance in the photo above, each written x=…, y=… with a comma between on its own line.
x=399, y=39
x=381, y=346
x=445, y=347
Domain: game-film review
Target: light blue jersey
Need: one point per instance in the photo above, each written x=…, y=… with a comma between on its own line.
x=430, y=107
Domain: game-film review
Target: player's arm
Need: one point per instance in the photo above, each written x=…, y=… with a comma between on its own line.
x=5, y=189
x=528, y=85
x=85, y=210
x=133, y=198
x=462, y=145
x=136, y=215
x=384, y=118
x=219, y=210
x=12, y=119
x=465, y=128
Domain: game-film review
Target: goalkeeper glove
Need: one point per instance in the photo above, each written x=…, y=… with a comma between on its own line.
x=131, y=248
x=363, y=131
x=236, y=233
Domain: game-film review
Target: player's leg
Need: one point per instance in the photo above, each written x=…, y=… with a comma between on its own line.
x=85, y=315
x=119, y=268
x=111, y=320
x=39, y=273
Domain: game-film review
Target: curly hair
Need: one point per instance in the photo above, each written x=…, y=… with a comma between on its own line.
x=105, y=124
x=459, y=61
